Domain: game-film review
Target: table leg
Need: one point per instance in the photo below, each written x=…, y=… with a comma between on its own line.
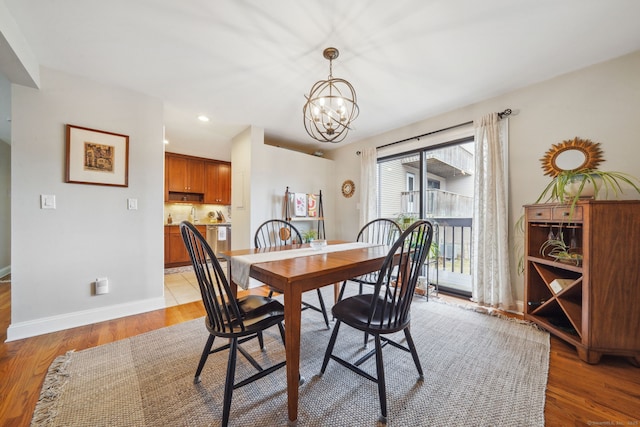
x=292, y=316
x=233, y=285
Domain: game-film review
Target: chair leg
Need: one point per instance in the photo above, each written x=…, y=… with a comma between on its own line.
x=270, y=293
x=261, y=340
x=382, y=389
x=203, y=358
x=332, y=342
x=323, y=308
x=281, y=328
x=414, y=353
x=228, y=384
x=344, y=285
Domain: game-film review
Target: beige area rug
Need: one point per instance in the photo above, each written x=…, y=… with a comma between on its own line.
x=480, y=370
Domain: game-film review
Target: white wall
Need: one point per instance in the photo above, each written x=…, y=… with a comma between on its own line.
x=266, y=172
x=57, y=254
x=600, y=103
x=5, y=176
x=5, y=208
x=5, y=109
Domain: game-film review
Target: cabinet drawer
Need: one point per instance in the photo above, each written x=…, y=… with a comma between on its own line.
x=538, y=213
x=563, y=213
x=175, y=229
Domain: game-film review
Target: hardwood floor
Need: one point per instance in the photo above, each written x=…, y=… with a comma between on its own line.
x=578, y=394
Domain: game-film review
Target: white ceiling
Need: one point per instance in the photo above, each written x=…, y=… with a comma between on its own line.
x=252, y=61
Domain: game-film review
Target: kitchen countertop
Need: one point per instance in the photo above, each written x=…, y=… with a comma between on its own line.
x=198, y=223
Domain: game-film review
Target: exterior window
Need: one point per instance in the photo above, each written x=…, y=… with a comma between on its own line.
x=410, y=196
x=437, y=184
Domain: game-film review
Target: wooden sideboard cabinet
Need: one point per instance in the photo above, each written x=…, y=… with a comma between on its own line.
x=593, y=305
x=175, y=252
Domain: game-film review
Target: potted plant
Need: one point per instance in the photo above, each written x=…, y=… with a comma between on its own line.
x=309, y=235
x=557, y=249
x=404, y=220
x=569, y=186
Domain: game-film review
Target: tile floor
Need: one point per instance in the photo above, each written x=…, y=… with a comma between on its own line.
x=181, y=287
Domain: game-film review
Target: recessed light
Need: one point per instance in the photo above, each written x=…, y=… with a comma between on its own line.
x=203, y=118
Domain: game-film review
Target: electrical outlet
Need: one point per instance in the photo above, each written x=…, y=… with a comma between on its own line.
x=102, y=286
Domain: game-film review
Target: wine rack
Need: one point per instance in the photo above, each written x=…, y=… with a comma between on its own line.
x=587, y=296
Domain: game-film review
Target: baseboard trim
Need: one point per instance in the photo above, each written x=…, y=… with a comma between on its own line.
x=5, y=270
x=31, y=328
x=519, y=308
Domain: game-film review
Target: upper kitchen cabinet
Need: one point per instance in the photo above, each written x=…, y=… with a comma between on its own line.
x=197, y=180
x=185, y=174
x=217, y=183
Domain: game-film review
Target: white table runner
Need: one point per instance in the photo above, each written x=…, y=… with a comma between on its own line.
x=241, y=264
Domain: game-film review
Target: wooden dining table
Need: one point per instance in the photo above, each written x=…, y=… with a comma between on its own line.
x=294, y=276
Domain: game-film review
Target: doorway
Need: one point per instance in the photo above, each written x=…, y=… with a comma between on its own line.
x=435, y=183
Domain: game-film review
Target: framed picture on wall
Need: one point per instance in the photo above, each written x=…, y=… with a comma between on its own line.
x=96, y=157
x=300, y=200
x=312, y=205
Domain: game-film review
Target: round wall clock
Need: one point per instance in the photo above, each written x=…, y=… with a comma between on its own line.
x=348, y=188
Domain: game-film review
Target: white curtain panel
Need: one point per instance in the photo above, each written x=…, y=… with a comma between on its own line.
x=491, y=274
x=369, y=184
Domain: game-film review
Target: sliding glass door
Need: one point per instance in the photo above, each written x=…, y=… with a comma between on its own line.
x=435, y=183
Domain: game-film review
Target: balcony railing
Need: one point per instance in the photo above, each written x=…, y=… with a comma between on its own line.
x=453, y=213
x=439, y=203
x=452, y=267
x=454, y=244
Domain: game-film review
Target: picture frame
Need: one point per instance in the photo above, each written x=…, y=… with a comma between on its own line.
x=96, y=157
x=300, y=204
x=312, y=205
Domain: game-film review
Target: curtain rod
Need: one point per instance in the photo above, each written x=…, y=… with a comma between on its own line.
x=501, y=115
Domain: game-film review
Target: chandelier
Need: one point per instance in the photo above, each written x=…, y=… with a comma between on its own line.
x=331, y=106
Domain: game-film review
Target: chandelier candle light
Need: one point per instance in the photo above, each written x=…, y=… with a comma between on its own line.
x=331, y=106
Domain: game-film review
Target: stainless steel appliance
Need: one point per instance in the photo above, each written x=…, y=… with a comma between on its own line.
x=219, y=237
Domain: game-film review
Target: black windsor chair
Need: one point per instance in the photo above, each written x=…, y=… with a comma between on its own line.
x=380, y=231
x=228, y=317
x=277, y=232
x=386, y=310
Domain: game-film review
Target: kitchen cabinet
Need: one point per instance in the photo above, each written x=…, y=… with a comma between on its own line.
x=184, y=178
x=197, y=180
x=217, y=183
x=185, y=174
x=175, y=252
x=588, y=302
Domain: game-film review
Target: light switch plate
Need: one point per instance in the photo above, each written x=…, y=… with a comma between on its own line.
x=47, y=201
x=132, y=204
